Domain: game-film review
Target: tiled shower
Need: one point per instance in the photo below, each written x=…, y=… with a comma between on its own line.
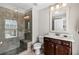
x=15, y=31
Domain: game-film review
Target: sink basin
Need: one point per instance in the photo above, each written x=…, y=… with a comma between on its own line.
x=66, y=37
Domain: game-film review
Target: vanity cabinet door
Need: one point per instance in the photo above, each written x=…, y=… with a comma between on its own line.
x=51, y=49
x=67, y=50
x=48, y=47
x=59, y=49
x=62, y=50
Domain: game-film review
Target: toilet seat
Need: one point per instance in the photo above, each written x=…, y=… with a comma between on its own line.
x=37, y=45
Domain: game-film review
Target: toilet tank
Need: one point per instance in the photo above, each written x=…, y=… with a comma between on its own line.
x=41, y=38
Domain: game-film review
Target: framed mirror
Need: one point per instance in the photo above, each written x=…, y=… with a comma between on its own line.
x=58, y=18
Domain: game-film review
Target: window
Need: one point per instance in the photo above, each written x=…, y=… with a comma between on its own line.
x=10, y=28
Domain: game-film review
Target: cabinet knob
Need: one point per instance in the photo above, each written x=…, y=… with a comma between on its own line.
x=56, y=46
x=67, y=44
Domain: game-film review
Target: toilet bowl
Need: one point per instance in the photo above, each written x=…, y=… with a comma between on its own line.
x=37, y=47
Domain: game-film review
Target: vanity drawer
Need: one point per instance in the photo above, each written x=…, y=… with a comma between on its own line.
x=46, y=39
x=67, y=43
x=57, y=41
x=52, y=40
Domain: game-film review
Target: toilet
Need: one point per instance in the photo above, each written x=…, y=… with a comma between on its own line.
x=37, y=47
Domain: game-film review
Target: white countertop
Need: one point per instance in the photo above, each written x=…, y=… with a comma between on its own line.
x=60, y=37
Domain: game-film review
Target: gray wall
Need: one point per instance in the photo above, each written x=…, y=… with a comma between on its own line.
x=9, y=44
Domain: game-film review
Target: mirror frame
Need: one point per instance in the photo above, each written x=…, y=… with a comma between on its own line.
x=67, y=17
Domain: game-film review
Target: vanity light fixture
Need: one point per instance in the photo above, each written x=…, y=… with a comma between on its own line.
x=52, y=8
x=57, y=6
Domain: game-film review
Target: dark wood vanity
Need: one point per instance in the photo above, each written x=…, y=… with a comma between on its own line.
x=54, y=46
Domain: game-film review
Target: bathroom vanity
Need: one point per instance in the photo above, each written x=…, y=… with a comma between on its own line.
x=54, y=46
x=57, y=45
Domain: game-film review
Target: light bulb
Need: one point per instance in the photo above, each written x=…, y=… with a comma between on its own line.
x=57, y=6
x=26, y=17
x=52, y=8
x=64, y=4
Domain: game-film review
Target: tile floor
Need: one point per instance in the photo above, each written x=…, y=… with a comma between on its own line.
x=28, y=51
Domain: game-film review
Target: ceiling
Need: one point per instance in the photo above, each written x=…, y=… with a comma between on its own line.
x=25, y=6
x=17, y=6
